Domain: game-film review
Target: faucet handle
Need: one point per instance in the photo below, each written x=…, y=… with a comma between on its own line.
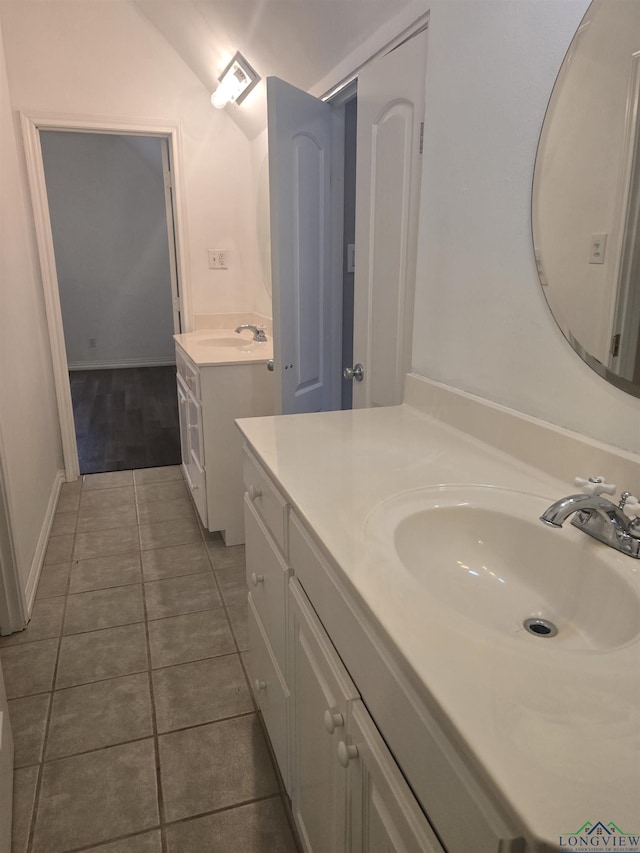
x=632, y=507
x=595, y=486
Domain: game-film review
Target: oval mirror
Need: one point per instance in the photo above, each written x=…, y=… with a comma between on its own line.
x=586, y=194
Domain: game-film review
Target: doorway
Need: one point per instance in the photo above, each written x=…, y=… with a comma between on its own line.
x=112, y=227
x=32, y=127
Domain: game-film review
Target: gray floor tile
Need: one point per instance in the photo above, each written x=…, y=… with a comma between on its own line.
x=59, y=549
x=91, y=798
x=73, y=488
x=105, y=572
x=200, y=692
x=255, y=828
x=25, y=781
x=53, y=580
x=102, y=654
x=110, y=480
x=238, y=616
x=103, y=608
x=69, y=499
x=144, y=476
x=195, y=636
x=162, y=534
x=102, y=714
x=148, y=842
x=102, y=543
x=233, y=584
x=147, y=493
x=107, y=498
x=213, y=766
x=185, y=594
x=171, y=562
x=149, y=513
x=28, y=723
x=46, y=623
x=223, y=557
x=64, y=523
x=29, y=668
x=104, y=519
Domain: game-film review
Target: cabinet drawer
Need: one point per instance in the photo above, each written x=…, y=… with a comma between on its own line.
x=267, y=579
x=268, y=502
x=270, y=691
x=189, y=372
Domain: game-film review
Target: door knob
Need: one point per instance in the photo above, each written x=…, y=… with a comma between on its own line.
x=356, y=372
x=270, y=365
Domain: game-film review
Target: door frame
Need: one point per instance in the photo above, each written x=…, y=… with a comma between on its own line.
x=32, y=124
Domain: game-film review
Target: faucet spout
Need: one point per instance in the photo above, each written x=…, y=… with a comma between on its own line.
x=258, y=331
x=559, y=512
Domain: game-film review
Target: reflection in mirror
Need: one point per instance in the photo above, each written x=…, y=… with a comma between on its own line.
x=586, y=193
x=263, y=229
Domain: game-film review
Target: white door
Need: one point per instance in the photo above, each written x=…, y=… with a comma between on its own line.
x=299, y=133
x=390, y=117
x=6, y=772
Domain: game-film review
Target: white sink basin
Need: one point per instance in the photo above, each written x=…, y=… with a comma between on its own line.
x=237, y=342
x=483, y=553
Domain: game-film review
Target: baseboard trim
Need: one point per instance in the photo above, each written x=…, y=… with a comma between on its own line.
x=129, y=362
x=41, y=548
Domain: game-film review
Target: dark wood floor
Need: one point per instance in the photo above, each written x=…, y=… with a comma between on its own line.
x=125, y=418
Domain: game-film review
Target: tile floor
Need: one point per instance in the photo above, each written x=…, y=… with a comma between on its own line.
x=134, y=726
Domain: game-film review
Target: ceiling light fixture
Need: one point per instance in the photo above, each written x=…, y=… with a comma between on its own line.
x=236, y=81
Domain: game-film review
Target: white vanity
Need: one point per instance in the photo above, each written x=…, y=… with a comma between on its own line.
x=221, y=375
x=389, y=695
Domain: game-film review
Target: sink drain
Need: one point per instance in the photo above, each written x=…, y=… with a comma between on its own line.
x=540, y=627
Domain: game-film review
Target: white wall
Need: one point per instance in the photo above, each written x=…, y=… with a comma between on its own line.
x=29, y=431
x=106, y=59
x=108, y=216
x=481, y=321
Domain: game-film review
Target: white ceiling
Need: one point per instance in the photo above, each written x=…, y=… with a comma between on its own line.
x=300, y=41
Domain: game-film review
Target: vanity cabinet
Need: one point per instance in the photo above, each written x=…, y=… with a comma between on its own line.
x=347, y=793
x=210, y=398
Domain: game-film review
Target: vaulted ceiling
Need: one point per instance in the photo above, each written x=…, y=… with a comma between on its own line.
x=300, y=41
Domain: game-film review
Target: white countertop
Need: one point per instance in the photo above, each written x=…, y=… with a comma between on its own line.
x=558, y=733
x=224, y=346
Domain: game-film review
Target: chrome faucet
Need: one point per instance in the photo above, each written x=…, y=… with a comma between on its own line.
x=600, y=518
x=258, y=331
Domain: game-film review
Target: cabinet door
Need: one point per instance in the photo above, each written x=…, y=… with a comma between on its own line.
x=321, y=695
x=384, y=816
x=183, y=414
x=270, y=691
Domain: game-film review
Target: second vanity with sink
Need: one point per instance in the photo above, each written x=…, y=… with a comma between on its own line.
x=220, y=376
x=394, y=556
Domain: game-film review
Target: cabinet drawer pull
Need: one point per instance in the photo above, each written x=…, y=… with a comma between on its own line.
x=259, y=685
x=333, y=720
x=256, y=579
x=254, y=492
x=346, y=753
